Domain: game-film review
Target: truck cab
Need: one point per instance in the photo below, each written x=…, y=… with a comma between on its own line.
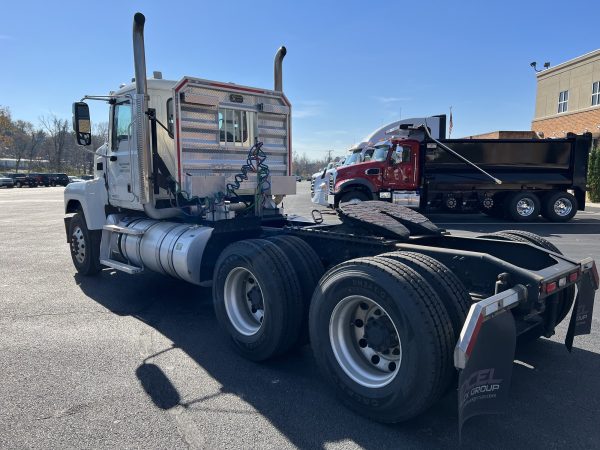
x=391, y=172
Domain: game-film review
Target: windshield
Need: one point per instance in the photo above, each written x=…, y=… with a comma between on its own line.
x=353, y=159
x=380, y=153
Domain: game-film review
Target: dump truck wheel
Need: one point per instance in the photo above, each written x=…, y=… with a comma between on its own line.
x=559, y=207
x=309, y=269
x=257, y=298
x=353, y=197
x=382, y=337
x=522, y=206
x=84, y=245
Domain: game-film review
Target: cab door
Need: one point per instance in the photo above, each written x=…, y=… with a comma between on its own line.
x=119, y=156
x=401, y=171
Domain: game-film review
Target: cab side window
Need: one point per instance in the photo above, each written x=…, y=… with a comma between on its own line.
x=170, y=117
x=121, y=124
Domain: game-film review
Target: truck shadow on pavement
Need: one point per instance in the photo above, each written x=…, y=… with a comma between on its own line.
x=555, y=403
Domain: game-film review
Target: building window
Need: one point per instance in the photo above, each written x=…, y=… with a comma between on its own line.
x=596, y=93
x=563, y=101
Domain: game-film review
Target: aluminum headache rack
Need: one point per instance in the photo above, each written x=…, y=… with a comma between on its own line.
x=217, y=124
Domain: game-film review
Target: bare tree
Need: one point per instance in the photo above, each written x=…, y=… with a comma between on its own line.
x=6, y=130
x=25, y=142
x=57, y=130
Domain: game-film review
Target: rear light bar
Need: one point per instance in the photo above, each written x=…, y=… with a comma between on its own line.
x=551, y=286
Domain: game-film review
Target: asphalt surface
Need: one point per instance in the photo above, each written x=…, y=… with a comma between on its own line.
x=119, y=361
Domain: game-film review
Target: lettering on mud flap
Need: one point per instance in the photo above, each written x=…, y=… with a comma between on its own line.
x=484, y=383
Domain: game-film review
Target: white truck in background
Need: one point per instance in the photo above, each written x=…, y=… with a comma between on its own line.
x=190, y=185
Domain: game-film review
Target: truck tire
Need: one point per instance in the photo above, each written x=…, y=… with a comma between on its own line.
x=498, y=210
x=534, y=239
x=559, y=207
x=19, y=184
x=308, y=268
x=445, y=283
x=257, y=298
x=84, y=245
x=382, y=338
x=522, y=206
x=354, y=197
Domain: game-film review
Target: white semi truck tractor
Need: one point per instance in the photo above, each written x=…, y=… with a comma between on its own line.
x=190, y=185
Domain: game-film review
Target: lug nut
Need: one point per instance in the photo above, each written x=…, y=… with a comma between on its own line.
x=362, y=343
x=392, y=366
x=375, y=359
x=359, y=323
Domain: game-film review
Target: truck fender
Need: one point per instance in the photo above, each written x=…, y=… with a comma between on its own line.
x=355, y=183
x=89, y=196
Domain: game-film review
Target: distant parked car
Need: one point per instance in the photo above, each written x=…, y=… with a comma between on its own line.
x=6, y=182
x=42, y=179
x=22, y=179
x=58, y=179
x=75, y=180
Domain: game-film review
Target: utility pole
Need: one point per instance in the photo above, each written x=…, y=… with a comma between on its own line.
x=329, y=155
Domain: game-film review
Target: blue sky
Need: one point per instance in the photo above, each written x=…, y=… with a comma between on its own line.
x=351, y=66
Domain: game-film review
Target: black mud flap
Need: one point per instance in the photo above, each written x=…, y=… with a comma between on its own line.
x=484, y=383
x=581, y=316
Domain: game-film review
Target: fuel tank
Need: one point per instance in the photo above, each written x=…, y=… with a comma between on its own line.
x=169, y=248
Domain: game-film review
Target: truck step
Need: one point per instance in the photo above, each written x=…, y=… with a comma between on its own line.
x=123, y=230
x=131, y=270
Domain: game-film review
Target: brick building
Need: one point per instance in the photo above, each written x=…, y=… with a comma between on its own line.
x=568, y=98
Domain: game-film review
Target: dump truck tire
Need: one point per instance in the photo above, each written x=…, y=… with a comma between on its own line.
x=257, y=298
x=559, y=207
x=382, y=338
x=522, y=206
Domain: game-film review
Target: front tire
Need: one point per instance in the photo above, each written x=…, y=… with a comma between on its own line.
x=84, y=246
x=382, y=337
x=353, y=197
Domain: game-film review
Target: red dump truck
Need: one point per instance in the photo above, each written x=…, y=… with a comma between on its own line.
x=518, y=179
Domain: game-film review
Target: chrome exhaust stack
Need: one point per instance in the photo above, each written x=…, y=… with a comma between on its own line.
x=277, y=73
x=144, y=152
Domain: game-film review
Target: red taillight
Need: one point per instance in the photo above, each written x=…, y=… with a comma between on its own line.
x=573, y=277
x=551, y=287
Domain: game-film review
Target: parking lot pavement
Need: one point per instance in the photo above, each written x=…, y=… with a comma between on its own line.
x=123, y=361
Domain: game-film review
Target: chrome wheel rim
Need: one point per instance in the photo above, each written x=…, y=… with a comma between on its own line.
x=244, y=301
x=365, y=341
x=563, y=207
x=78, y=245
x=525, y=207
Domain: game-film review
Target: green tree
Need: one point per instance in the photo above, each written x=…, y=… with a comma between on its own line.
x=594, y=175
